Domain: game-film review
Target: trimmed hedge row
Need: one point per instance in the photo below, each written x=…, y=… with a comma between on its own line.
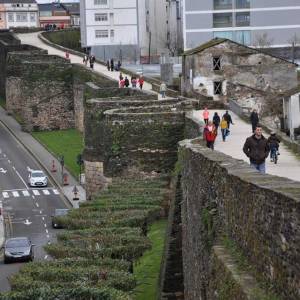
x=93, y=257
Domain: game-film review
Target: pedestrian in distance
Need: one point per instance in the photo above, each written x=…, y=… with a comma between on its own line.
x=122, y=83
x=85, y=60
x=210, y=134
x=141, y=82
x=216, y=120
x=273, y=142
x=118, y=67
x=257, y=149
x=120, y=76
x=112, y=66
x=108, y=65
x=224, y=129
x=126, y=82
x=254, y=119
x=92, y=61
x=228, y=118
x=67, y=55
x=163, y=89
x=133, y=82
x=205, y=115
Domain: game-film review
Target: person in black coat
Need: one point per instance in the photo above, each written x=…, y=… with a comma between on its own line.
x=228, y=119
x=254, y=119
x=216, y=120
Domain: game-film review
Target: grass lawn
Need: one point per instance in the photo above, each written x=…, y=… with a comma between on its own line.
x=63, y=142
x=147, y=268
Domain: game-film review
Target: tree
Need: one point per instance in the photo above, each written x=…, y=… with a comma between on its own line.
x=294, y=41
x=262, y=40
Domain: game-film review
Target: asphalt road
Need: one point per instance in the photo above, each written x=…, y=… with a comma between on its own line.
x=29, y=209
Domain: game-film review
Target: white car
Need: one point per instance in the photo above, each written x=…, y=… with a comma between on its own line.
x=37, y=178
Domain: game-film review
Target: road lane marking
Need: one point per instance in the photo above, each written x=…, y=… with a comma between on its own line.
x=48, y=236
x=43, y=218
x=45, y=225
x=46, y=192
x=15, y=194
x=26, y=193
x=37, y=205
x=46, y=256
x=36, y=192
x=47, y=231
x=40, y=211
x=5, y=194
x=21, y=178
x=9, y=161
x=55, y=191
x=4, y=154
x=14, y=168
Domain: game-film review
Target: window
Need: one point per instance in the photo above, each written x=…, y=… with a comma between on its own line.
x=21, y=17
x=217, y=87
x=100, y=2
x=242, y=3
x=222, y=20
x=101, y=17
x=32, y=17
x=10, y=17
x=242, y=19
x=217, y=63
x=101, y=34
x=222, y=4
x=112, y=33
x=243, y=37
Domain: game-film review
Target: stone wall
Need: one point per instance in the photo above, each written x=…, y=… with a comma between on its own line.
x=39, y=89
x=224, y=197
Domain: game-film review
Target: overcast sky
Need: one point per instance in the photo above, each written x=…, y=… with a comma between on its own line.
x=47, y=1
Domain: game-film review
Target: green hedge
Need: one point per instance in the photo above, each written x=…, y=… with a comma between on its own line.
x=93, y=258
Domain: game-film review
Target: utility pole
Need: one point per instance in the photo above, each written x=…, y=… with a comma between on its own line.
x=149, y=51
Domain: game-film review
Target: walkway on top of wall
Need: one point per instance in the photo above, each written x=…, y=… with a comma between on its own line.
x=32, y=39
x=288, y=163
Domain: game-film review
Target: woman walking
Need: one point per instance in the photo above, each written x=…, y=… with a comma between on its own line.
x=210, y=135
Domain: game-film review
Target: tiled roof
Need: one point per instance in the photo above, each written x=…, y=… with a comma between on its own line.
x=72, y=7
x=51, y=7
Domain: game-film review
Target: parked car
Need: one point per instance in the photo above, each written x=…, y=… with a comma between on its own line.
x=37, y=178
x=18, y=249
x=59, y=212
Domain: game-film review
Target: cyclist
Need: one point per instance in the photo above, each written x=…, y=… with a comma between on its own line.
x=273, y=142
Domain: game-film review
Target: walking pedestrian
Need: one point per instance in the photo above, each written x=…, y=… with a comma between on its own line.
x=108, y=65
x=67, y=55
x=224, y=129
x=122, y=83
x=112, y=66
x=273, y=142
x=141, y=82
x=126, y=82
x=92, y=61
x=85, y=60
x=133, y=82
x=257, y=149
x=163, y=89
x=254, y=119
x=205, y=115
x=210, y=134
x=216, y=121
x=118, y=66
x=228, y=118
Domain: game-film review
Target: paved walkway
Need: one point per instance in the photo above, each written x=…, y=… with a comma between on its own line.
x=288, y=164
x=32, y=39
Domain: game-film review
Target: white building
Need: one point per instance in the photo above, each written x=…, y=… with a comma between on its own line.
x=124, y=29
x=21, y=13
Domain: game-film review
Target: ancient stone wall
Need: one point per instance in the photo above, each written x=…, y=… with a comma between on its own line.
x=40, y=89
x=225, y=199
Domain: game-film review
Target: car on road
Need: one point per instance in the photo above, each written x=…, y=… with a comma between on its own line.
x=59, y=212
x=37, y=178
x=18, y=249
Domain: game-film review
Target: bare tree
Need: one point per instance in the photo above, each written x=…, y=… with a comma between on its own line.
x=294, y=41
x=262, y=40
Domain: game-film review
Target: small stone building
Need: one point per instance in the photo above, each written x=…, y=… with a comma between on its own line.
x=226, y=70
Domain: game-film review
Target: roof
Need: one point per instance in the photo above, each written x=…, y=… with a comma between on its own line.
x=17, y=1
x=217, y=41
x=72, y=7
x=50, y=7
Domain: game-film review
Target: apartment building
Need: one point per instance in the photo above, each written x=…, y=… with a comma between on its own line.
x=18, y=13
x=127, y=30
x=269, y=23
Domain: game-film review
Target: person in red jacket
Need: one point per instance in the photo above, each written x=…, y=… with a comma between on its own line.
x=210, y=134
x=141, y=82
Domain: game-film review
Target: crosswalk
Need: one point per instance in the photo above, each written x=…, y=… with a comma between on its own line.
x=28, y=193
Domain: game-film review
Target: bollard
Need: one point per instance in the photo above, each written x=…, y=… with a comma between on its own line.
x=53, y=168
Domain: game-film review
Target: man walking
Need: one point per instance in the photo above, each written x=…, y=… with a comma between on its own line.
x=163, y=89
x=254, y=119
x=257, y=149
x=228, y=119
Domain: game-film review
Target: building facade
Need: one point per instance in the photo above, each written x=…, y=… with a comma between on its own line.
x=262, y=23
x=18, y=13
x=129, y=30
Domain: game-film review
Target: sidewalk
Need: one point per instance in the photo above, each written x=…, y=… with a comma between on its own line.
x=45, y=159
